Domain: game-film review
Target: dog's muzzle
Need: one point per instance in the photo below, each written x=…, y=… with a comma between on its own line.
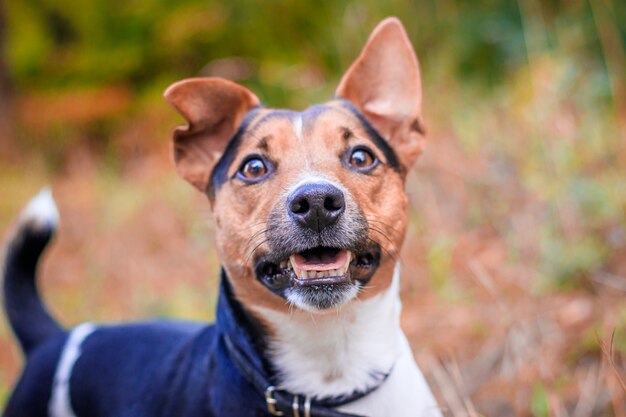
x=318, y=247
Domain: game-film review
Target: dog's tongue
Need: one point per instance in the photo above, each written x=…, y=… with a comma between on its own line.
x=320, y=261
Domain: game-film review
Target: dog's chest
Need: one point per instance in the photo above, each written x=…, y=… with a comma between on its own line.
x=352, y=350
x=404, y=393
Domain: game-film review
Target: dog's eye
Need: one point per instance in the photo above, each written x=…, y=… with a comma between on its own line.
x=361, y=159
x=253, y=168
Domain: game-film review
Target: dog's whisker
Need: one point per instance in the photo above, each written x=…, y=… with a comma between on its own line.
x=385, y=225
x=368, y=287
x=392, y=254
x=392, y=249
x=382, y=234
x=252, y=252
x=254, y=236
x=258, y=242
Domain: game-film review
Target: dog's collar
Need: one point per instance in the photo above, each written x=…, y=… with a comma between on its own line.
x=243, y=339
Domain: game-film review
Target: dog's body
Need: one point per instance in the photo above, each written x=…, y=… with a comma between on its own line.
x=308, y=314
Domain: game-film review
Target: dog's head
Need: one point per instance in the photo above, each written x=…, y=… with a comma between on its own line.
x=309, y=206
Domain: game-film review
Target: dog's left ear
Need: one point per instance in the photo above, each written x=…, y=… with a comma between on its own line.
x=214, y=109
x=384, y=84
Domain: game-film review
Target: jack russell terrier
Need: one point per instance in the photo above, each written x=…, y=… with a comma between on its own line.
x=310, y=213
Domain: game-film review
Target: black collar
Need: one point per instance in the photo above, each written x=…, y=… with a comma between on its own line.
x=244, y=340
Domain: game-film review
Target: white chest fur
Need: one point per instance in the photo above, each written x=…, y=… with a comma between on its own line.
x=350, y=350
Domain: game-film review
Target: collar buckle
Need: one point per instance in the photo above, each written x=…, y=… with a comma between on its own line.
x=271, y=401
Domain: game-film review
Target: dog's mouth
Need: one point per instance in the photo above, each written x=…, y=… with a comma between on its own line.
x=318, y=266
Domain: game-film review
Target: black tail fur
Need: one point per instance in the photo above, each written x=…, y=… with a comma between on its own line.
x=30, y=320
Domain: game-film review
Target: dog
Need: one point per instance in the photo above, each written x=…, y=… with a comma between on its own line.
x=310, y=214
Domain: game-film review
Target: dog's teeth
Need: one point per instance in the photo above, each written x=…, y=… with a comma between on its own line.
x=344, y=269
x=303, y=274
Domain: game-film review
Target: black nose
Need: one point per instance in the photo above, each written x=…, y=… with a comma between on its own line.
x=316, y=206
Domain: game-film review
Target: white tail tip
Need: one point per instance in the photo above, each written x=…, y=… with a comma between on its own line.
x=41, y=211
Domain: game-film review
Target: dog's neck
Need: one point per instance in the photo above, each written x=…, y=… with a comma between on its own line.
x=349, y=350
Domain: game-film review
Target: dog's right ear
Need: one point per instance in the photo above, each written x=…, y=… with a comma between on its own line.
x=214, y=109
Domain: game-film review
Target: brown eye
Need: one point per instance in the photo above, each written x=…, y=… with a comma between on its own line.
x=253, y=168
x=361, y=159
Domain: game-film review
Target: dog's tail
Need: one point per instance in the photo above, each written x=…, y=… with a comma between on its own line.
x=29, y=318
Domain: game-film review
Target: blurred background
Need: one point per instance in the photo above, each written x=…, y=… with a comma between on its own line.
x=514, y=276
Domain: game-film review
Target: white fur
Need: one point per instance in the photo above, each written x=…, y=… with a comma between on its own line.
x=60, y=402
x=405, y=393
x=301, y=302
x=41, y=211
x=297, y=126
x=338, y=352
x=314, y=178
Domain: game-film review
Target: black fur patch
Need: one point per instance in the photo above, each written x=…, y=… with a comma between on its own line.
x=220, y=172
x=378, y=140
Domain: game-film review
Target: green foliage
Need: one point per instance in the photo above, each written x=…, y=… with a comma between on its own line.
x=439, y=263
x=54, y=43
x=539, y=401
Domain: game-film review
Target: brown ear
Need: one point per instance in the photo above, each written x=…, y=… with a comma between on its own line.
x=214, y=109
x=384, y=84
